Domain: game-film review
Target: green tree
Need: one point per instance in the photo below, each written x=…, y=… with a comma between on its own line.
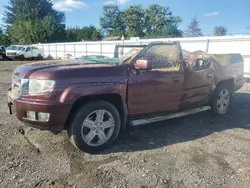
x=112, y=21
x=84, y=33
x=157, y=17
x=33, y=21
x=4, y=38
x=160, y=22
x=168, y=31
x=155, y=21
x=134, y=21
x=220, y=30
x=193, y=29
x=97, y=35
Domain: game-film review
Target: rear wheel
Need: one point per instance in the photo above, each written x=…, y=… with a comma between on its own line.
x=221, y=99
x=39, y=57
x=22, y=57
x=95, y=127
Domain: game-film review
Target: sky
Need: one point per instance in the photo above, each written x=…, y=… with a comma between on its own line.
x=234, y=14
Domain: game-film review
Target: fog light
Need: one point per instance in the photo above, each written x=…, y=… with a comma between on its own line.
x=38, y=116
x=31, y=115
x=43, y=116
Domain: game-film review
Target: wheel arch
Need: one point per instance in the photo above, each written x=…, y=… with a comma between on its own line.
x=230, y=82
x=113, y=98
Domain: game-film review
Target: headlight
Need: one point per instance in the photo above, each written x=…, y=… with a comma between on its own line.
x=36, y=87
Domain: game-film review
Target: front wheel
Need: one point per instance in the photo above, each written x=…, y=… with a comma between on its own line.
x=1, y=57
x=221, y=99
x=95, y=127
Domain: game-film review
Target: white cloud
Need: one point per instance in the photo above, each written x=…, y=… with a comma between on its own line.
x=68, y=5
x=110, y=3
x=120, y=2
x=117, y=2
x=212, y=14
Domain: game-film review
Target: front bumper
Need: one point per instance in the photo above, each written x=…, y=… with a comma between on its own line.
x=58, y=112
x=13, y=56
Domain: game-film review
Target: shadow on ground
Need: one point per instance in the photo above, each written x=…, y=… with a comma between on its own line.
x=152, y=136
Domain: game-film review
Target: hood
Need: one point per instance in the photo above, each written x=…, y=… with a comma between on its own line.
x=11, y=50
x=64, y=69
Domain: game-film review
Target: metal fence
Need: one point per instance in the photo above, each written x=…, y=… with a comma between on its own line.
x=226, y=44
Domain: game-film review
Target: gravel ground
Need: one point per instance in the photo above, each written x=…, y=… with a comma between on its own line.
x=202, y=150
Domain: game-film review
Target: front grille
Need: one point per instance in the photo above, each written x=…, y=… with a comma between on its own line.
x=16, y=86
x=11, y=53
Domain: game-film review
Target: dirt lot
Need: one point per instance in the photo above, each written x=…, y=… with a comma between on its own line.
x=202, y=150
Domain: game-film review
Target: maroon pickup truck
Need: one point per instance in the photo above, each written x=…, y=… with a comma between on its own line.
x=95, y=100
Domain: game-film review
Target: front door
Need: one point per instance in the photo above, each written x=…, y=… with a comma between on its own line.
x=28, y=53
x=158, y=89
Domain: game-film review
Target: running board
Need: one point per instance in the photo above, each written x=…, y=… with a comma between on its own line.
x=169, y=116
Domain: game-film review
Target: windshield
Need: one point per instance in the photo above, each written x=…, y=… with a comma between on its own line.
x=12, y=48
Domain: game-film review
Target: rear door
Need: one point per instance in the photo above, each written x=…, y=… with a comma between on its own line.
x=159, y=89
x=198, y=84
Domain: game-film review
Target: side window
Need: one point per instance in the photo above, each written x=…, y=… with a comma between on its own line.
x=28, y=49
x=163, y=56
x=34, y=48
x=201, y=64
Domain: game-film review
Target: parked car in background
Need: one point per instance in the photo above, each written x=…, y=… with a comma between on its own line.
x=24, y=52
x=11, y=51
x=2, y=53
x=95, y=100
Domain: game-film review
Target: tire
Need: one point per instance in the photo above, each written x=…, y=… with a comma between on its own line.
x=221, y=99
x=22, y=57
x=1, y=57
x=39, y=57
x=88, y=137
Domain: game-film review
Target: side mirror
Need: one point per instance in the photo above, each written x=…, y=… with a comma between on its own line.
x=143, y=65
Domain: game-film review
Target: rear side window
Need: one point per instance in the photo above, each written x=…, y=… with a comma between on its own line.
x=202, y=64
x=34, y=48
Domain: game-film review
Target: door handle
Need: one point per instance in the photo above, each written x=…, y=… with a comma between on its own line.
x=210, y=75
x=176, y=79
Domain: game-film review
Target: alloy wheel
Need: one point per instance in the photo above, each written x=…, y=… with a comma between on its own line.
x=98, y=127
x=223, y=101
